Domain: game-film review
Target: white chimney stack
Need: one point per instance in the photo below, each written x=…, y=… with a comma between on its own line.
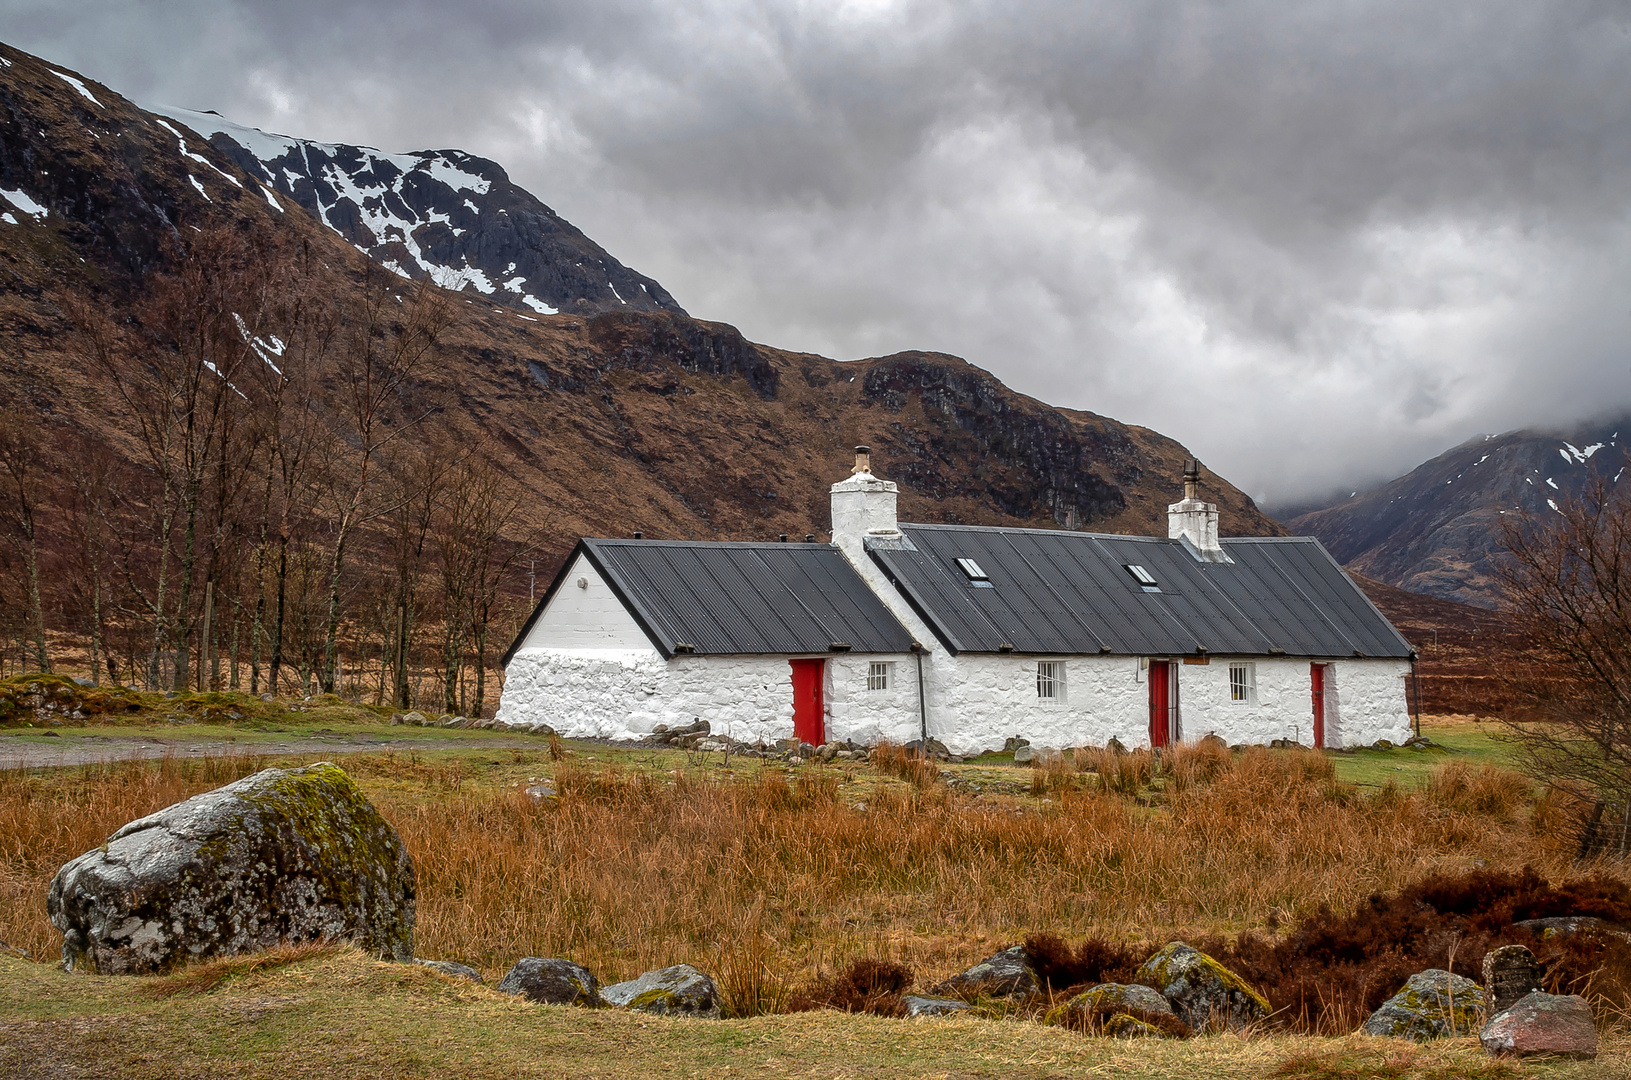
x=862, y=506
x=1196, y=522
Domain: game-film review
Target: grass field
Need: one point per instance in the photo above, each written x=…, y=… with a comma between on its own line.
x=342, y=1015
x=767, y=875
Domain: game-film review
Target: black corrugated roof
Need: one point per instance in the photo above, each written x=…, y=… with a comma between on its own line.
x=1069, y=593
x=739, y=598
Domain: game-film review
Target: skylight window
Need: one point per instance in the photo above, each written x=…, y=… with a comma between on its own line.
x=971, y=570
x=1145, y=579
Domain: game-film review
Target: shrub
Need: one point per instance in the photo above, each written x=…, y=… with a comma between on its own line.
x=866, y=986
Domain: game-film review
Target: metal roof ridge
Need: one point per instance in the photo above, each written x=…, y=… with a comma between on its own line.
x=1039, y=532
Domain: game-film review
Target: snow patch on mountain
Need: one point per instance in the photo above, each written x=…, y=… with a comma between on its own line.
x=441, y=215
x=77, y=84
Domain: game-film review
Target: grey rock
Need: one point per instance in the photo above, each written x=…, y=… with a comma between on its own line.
x=1539, y=1023
x=543, y=790
x=1431, y=1004
x=681, y=990
x=551, y=981
x=1119, y=996
x=1014, y=742
x=828, y=751
x=1510, y=973
x=1115, y=746
x=1569, y=925
x=283, y=855
x=918, y=1005
x=448, y=967
x=1007, y=974
x=1204, y=994
x=1024, y=755
x=713, y=745
x=414, y=719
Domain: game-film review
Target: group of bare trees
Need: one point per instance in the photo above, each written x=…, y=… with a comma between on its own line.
x=274, y=502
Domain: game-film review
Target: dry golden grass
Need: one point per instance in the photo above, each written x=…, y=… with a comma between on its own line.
x=767, y=876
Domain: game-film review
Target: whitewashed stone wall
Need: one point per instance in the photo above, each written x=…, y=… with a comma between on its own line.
x=976, y=702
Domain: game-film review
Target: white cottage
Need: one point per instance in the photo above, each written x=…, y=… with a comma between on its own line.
x=964, y=634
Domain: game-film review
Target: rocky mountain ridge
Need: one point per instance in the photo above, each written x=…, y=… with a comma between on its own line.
x=611, y=417
x=1437, y=529
x=439, y=214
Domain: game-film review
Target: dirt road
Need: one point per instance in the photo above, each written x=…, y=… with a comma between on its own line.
x=36, y=752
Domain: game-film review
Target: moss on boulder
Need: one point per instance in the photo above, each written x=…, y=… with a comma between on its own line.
x=1206, y=995
x=281, y=856
x=680, y=990
x=1110, y=998
x=1432, y=1004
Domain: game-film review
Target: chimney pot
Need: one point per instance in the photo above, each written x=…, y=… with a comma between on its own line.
x=863, y=460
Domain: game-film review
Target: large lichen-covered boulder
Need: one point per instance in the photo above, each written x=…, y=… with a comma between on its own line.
x=552, y=981
x=1432, y=1004
x=680, y=990
x=1007, y=974
x=1559, y=1025
x=283, y=855
x=1206, y=995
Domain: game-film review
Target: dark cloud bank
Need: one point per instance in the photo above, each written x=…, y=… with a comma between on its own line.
x=1317, y=242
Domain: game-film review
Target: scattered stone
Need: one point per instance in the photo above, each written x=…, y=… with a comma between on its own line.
x=448, y=967
x=1112, y=996
x=1014, y=742
x=712, y=745
x=1115, y=746
x=1007, y=974
x=1432, y=1004
x=283, y=855
x=1569, y=925
x=1541, y=1023
x=784, y=745
x=828, y=751
x=1510, y=973
x=414, y=719
x=918, y=1005
x=1047, y=755
x=1024, y=755
x=1122, y=1026
x=681, y=990
x=543, y=790
x=1204, y=994
x=1382, y=744
x=551, y=981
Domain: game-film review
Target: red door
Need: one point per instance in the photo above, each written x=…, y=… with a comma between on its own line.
x=1161, y=703
x=1316, y=675
x=807, y=680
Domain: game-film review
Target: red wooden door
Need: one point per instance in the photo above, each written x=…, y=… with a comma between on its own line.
x=1160, y=703
x=1316, y=677
x=807, y=721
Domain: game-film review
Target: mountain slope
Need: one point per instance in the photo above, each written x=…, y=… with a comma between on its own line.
x=612, y=421
x=441, y=214
x=1437, y=529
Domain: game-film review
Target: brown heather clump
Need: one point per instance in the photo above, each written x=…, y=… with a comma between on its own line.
x=765, y=876
x=867, y=986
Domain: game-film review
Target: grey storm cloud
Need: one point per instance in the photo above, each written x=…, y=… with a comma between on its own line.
x=1316, y=242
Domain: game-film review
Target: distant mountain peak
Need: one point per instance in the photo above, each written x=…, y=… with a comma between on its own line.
x=443, y=215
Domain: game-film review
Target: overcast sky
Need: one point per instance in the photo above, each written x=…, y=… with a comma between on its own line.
x=1316, y=242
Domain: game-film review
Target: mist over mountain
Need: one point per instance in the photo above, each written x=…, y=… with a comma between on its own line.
x=1437, y=529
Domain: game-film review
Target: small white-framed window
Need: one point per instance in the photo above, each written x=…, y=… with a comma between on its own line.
x=880, y=675
x=1243, y=683
x=1050, y=680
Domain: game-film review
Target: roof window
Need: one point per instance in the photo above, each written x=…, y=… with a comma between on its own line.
x=1145, y=579
x=976, y=576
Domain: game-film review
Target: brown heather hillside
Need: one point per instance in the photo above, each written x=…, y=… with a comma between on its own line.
x=613, y=422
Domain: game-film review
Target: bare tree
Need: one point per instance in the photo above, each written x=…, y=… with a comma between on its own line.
x=20, y=453
x=1567, y=577
x=386, y=341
